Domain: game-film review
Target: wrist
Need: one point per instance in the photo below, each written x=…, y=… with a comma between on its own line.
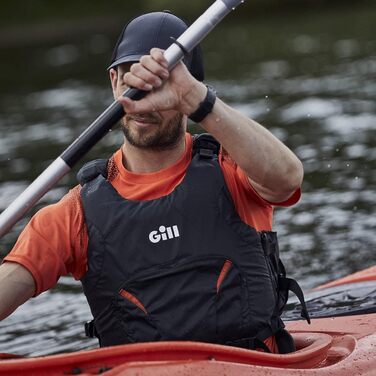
x=205, y=107
x=193, y=98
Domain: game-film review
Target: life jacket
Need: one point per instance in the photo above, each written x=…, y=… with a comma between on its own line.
x=183, y=266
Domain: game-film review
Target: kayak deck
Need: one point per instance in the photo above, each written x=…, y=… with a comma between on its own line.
x=329, y=346
x=339, y=300
x=364, y=275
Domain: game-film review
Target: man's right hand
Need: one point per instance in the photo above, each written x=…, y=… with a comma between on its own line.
x=177, y=90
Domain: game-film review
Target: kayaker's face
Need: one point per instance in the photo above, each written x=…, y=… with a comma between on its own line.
x=153, y=130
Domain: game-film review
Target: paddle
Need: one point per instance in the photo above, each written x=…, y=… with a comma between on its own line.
x=100, y=126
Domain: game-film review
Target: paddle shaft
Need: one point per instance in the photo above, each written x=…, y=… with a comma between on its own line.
x=100, y=126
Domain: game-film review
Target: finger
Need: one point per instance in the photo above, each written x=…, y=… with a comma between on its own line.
x=134, y=81
x=157, y=55
x=130, y=106
x=146, y=75
x=127, y=104
x=154, y=66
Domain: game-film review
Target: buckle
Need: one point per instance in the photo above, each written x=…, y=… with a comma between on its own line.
x=205, y=153
x=90, y=329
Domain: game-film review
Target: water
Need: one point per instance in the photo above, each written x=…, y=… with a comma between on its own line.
x=310, y=78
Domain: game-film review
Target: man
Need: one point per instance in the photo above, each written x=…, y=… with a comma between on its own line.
x=171, y=237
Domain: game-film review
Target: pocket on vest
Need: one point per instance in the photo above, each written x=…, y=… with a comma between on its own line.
x=198, y=299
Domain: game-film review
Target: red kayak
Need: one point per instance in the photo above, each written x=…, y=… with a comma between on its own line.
x=342, y=343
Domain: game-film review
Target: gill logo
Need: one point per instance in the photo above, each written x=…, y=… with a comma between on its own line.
x=164, y=233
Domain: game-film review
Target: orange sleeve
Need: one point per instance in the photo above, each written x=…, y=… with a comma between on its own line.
x=251, y=207
x=54, y=242
x=293, y=199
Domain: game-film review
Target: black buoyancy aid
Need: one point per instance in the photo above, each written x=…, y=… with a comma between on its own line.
x=180, y=267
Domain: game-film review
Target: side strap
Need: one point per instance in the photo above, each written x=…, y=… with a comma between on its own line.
x=289, y=284
x=90, y=329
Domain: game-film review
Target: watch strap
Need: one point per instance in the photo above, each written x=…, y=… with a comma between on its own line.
x=205, y=107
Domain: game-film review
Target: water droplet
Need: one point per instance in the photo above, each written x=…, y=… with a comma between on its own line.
x=348, y=164
x=266, y=96
x=308, y=115
x=337, y=150
x=329, y=165
x=356, y=178
x=268, y=109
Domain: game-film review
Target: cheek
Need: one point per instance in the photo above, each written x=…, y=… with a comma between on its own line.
x=120, y=90
x=116, y=92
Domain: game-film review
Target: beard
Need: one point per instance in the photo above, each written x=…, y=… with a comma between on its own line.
x=162, y=137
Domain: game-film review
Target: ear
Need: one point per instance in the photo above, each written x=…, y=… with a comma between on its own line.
x=114, y=79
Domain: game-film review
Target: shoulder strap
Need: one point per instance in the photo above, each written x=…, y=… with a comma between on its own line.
x=205, y=145
x=91, y=170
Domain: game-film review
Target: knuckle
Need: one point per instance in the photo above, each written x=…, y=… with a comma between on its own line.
x=163, y=73
x=157, y=81
x=156, y=53
x=144, y=59
x=135, y=68
x=126, y=75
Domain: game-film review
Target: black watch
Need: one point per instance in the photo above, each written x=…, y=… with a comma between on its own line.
x=205, y=107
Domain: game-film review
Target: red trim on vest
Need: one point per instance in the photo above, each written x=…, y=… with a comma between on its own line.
x=225, y=269
x=127, y=295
